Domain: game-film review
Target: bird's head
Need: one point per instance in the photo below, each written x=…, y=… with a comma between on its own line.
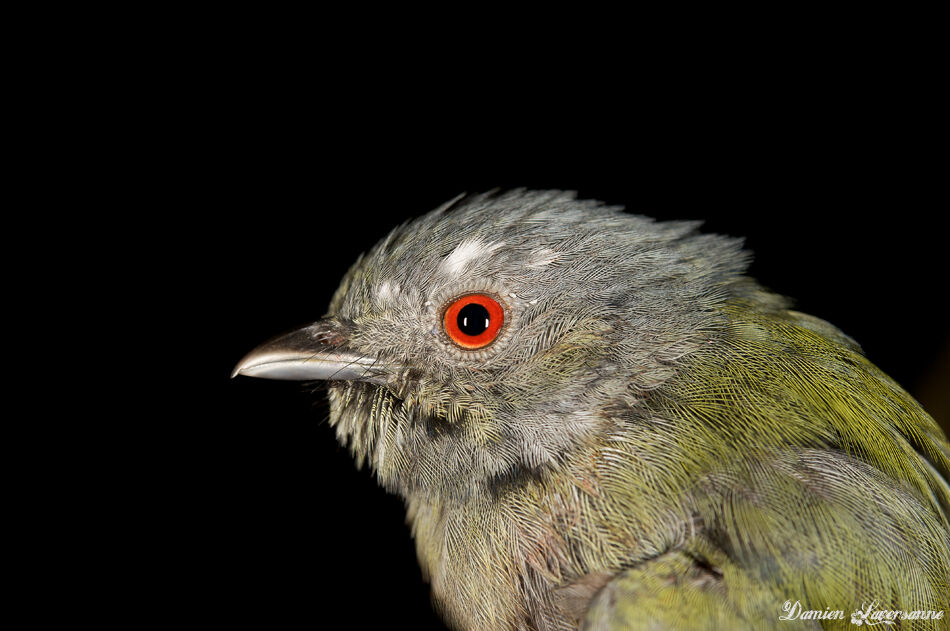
x=493, y=337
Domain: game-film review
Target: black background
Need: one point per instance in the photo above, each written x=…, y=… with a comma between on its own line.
x=280, y=182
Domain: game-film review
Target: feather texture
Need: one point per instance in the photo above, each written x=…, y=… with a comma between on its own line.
x=654, y=441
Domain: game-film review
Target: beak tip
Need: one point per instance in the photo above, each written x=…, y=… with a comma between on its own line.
x=240, y=367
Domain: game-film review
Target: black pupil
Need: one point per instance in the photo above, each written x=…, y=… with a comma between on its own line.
x=473, y=319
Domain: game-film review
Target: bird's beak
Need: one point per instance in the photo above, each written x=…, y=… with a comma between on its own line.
x=317, y=351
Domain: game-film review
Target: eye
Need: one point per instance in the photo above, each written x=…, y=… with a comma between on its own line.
x=473, y=321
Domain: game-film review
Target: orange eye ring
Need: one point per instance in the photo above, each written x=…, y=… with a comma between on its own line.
x=473, y=321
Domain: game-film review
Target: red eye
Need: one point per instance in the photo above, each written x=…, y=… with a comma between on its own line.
x=473, y=321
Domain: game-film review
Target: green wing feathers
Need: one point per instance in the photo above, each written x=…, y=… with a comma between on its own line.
x=822, y=392
x=822, y=480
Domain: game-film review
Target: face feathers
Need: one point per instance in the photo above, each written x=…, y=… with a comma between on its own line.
x=598, y=305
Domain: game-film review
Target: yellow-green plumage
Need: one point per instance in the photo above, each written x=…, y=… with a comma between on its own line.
x=788, y=470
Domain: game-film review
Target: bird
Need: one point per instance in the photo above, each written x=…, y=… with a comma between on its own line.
x=600, y=421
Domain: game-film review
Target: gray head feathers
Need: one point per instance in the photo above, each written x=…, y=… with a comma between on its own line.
x=599, y=305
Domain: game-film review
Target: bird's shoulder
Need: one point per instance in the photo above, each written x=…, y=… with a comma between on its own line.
x=776, y=381
x=799, y=461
